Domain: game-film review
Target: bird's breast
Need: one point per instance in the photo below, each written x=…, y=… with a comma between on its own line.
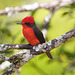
x=30, y=36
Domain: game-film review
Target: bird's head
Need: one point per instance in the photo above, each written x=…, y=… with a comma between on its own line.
x=27, y=21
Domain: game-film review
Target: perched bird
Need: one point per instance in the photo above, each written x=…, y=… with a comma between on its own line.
x=32, y=34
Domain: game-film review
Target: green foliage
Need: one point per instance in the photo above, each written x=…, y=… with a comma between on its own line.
x=62, y=21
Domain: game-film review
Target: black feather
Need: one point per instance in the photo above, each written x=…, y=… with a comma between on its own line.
x=38, y=34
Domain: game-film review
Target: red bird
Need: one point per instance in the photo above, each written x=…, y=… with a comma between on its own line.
x=33, y=35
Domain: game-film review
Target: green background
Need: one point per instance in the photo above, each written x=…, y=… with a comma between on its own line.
x=62, y=21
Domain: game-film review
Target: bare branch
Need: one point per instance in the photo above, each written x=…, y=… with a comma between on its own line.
x=56, y=42
x=3, y=57
x=47, y=20
x=32, y=7
x=17, y=61
x=14, y=46
x=22, y=57
x=51, y=44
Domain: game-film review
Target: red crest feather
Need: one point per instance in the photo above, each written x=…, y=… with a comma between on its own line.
x=27, y=19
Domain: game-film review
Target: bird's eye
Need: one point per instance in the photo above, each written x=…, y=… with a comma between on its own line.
x=28, y=24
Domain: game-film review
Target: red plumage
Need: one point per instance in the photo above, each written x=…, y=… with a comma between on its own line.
x=27, y=19
x=29, y=35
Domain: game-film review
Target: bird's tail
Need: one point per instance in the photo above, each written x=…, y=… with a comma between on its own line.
x=49, y=55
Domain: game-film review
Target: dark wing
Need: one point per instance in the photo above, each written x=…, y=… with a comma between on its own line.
x=38, y=34
x=40, y=37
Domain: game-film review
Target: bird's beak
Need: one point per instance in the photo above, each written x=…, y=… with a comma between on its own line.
x=19, y=23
